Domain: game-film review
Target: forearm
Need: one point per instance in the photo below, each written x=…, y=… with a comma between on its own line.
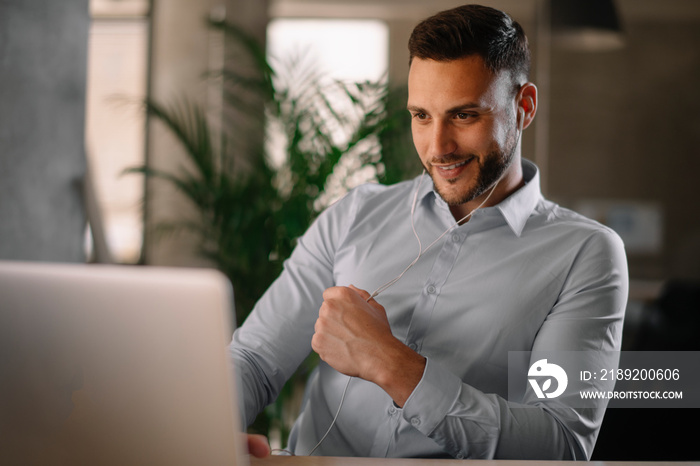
x=399, y=370
x=276, y=336
x=257, y=382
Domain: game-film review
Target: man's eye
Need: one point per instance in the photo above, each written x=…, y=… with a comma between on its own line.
x=420, y=116
x=463, y=116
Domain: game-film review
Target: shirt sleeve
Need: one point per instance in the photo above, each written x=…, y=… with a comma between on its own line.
x=587, y=316
x=276, y=337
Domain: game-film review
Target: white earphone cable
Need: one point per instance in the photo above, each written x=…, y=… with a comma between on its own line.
x=396, y=279
x=393, y=281
x=388, y=284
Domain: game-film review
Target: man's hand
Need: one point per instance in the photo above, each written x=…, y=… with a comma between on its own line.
x=258, y=445
x=354, y=337
x=349, y=331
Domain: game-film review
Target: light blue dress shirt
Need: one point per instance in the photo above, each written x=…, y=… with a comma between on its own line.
x=524, y=275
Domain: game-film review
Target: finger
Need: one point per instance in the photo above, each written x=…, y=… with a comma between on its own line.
x=332, y=292
x=367, y=298
x=258, y=445
x=363, y=294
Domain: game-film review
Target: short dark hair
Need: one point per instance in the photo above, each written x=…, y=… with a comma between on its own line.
x=473, y=29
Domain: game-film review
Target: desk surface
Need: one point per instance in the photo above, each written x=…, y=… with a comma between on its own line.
x=330, y=461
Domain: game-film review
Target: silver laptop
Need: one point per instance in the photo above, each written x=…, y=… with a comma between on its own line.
x=116, y=365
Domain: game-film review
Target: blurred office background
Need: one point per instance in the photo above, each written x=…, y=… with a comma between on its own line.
x=616, y=136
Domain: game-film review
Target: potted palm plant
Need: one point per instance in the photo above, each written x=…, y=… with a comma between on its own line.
x=252, y=206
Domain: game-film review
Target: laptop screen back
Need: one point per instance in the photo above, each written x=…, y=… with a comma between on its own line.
x=116, y=365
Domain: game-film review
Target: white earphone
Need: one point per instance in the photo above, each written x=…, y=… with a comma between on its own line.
x=520, y=124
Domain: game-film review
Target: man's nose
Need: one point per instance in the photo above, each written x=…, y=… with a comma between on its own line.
x=442, y=141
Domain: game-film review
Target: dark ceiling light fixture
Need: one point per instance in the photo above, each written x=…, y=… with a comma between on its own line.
x=586, y=25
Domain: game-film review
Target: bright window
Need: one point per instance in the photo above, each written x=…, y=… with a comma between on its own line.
x=115, y=121
x=347, y=50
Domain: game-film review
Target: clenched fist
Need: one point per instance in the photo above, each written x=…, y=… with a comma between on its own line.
x=353, y=335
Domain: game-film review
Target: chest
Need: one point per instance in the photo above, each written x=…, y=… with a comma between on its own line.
x=474, y=296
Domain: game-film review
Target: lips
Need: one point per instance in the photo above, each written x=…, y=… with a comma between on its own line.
x=453, y=170
x=452, y=167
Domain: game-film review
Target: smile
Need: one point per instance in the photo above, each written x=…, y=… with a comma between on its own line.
x=453, y=171
x=452, y=167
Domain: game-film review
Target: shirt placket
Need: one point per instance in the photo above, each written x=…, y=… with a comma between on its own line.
x=420, y=321
x=432, y=288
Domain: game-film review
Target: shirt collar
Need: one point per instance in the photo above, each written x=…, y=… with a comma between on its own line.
x=516, y=208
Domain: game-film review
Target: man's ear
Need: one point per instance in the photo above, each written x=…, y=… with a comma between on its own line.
x=527, y=103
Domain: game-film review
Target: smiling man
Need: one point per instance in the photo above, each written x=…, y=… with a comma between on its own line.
x=414, y=294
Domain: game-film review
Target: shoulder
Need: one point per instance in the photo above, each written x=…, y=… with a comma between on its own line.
x=581, y=235
x=374, y=196
x=380, y=191
x=362, y=204
x=553, y=216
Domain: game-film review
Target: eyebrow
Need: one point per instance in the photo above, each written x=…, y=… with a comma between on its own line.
x=455, y=109
x=415, y=108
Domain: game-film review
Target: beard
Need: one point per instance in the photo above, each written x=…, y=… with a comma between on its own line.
x=490, y=170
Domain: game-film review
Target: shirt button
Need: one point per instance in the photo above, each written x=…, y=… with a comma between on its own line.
x=456, y=238
x=431, y=289
x=459, y=456
x=415, y=422
x=413, y=346
x=392, y=410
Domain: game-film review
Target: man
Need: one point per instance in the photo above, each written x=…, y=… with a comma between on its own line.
x=427, y=356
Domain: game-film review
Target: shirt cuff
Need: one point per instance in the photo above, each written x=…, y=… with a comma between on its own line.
x=432, y=398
